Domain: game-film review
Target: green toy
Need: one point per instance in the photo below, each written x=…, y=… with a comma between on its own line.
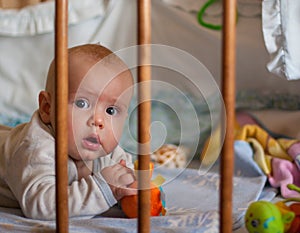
x=266, y=217
x=201, y=13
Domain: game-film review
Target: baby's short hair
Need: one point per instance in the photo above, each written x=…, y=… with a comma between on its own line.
x=94, y=52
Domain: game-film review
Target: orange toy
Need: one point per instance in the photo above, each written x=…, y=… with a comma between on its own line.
x=129, y=204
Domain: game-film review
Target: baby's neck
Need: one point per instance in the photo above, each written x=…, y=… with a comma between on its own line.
x=84, y=168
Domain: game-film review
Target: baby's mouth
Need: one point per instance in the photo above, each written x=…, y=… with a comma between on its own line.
x=91, y=142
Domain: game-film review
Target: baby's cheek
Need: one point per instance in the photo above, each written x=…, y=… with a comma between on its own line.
x=111, y=145
x=116, y=131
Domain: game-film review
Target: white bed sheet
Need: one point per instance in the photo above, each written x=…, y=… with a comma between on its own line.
x=171, y=26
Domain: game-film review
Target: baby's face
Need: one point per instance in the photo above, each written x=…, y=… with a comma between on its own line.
x=98, y=104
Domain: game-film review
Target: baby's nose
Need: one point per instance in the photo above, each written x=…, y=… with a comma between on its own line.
x=97, y=121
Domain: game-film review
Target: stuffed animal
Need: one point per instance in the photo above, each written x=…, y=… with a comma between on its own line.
x=266, y=217
x=170, y=156
x=129, y=204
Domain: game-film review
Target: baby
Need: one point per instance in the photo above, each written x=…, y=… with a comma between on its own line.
x=99, y=171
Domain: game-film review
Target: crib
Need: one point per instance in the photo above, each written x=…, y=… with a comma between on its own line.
x=144, y=112
x=228, y=92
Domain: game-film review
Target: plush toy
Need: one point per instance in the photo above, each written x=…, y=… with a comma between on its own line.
x=267, y=217
x=129, y=204
x=170, y=156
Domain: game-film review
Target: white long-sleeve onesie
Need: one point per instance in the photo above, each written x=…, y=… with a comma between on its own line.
x=27, y=174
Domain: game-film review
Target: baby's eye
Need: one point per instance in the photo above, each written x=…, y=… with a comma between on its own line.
x=82, y=103
x=112, y=111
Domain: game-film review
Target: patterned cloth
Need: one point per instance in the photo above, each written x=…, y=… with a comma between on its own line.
x=278, y=158
x=191, y=202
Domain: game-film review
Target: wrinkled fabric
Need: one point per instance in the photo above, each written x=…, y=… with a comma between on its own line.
x=40, y=18
x=282, y=35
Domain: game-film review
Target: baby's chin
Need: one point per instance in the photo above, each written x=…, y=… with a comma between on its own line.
x=87, y=155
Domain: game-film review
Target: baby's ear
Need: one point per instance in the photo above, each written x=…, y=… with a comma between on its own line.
x=45, y=106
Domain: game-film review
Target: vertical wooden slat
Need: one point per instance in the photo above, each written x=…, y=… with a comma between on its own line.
x=61, y=114
x=228, y=92
x=144, y=113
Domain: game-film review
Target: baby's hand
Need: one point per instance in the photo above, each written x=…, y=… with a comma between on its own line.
x=119, y=177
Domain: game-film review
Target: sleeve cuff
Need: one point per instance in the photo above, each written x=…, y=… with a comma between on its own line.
x=105, y=189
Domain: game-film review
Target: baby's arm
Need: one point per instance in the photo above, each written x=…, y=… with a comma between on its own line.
x=31, y=177
x=119, y=177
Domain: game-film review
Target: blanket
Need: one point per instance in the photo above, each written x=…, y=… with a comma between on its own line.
x=277, y=157
x=192, y=202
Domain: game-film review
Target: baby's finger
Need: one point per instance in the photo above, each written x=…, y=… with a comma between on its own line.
x=122, y=162
x=125, y=170
x=126, y=179
x=121, y=168
x=130, y=191
x=121, y=192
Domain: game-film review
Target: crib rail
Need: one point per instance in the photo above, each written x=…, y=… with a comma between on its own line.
x=144, y=113
x=61, y=114
x=228, y=93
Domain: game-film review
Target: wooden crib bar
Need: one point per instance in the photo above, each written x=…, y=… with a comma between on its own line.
x=144, y=113
x=228, y=92
x=61, y=114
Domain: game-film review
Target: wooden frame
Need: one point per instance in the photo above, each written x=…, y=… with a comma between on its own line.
x=144, y=112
